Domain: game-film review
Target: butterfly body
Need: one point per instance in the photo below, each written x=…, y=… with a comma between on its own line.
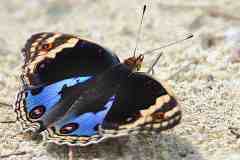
x=76, y=92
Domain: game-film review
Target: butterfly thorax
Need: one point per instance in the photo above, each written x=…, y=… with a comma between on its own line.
x=134, y=63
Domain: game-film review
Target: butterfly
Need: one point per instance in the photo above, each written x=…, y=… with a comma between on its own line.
x=76, y=92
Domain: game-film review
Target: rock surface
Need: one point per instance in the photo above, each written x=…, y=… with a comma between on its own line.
x=207, y=87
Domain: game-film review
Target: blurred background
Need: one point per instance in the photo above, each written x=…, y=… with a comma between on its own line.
x=203, y=71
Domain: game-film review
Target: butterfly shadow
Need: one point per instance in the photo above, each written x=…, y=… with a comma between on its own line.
x=141, y=147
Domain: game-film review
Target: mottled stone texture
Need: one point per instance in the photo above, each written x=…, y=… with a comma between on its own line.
x=208, y=87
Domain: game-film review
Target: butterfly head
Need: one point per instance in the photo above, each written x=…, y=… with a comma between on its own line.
x=134, y=63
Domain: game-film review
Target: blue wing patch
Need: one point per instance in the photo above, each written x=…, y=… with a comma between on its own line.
x=85, y=124
x=50, y=95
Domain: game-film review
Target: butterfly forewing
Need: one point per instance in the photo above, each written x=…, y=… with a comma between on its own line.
x=50, y=57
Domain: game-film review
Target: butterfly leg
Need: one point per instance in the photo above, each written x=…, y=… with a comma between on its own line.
x=71, y=152
x=152, y=72
x=151, y=69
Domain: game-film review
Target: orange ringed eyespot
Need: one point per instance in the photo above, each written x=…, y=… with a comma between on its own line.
x=47, y=46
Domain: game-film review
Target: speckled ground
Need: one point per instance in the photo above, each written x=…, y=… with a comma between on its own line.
x=208, y=88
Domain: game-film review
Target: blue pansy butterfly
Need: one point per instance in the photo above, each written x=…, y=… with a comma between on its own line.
x=76, y=92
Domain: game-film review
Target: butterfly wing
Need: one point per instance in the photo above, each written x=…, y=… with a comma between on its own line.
x=142, y=104
x=81, y=130
x=79, y=126
x=139, y=104
x=70, y=98
x=50, y=57
x=32, y=104
x=54, y=61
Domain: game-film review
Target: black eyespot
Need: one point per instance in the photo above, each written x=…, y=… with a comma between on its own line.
x=36, y=91
x=168, y=106
x=37, y=112
x=69, y=128
x=43, y=65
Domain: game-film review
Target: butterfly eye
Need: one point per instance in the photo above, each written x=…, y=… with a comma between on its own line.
x=47, y=46
x=69, y=128
x=37, y=112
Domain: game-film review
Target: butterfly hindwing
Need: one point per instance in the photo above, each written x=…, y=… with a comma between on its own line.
x=142, y=104
x=89, y=109
x=139, y=104
x=80, y=129
x=38, y=101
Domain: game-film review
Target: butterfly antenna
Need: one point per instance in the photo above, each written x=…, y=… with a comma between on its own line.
x=154, y=63
x=139, y=30
x=188, y=36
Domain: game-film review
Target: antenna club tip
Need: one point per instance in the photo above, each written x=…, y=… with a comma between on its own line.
x=144, y=8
